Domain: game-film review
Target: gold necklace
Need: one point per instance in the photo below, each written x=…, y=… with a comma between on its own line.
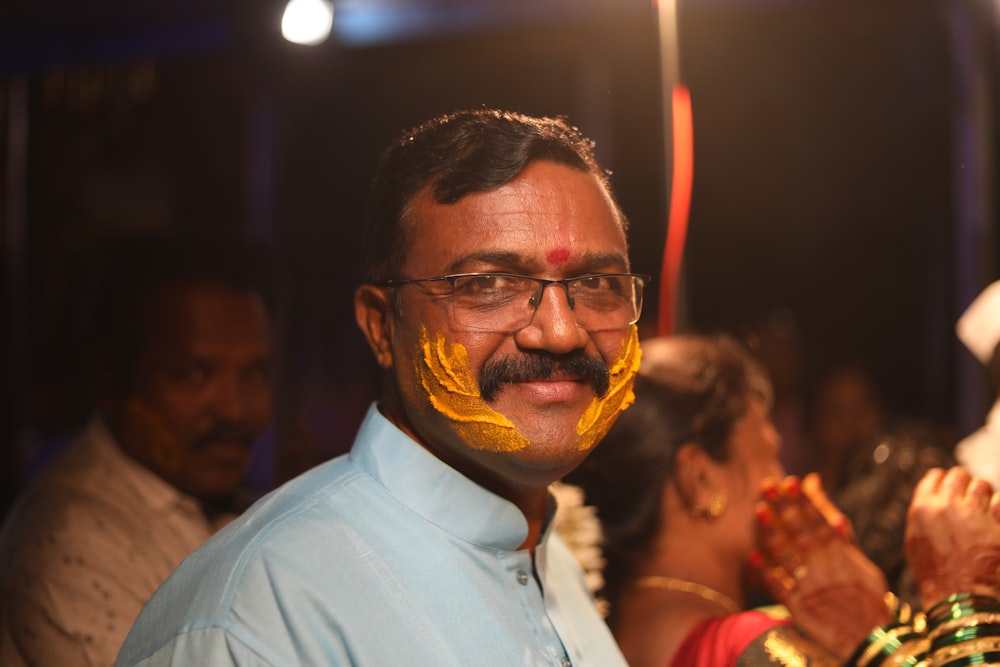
x=702, y=591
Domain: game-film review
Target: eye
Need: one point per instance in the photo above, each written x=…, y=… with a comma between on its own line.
x=259, y=375
x=488, y=284
x=469, y=285
x=610, y=284
x=602, y=292
x=193, y=374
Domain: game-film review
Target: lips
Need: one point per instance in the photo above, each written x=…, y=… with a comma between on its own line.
x=225, y=436
x=554, y=390
x=224, y=449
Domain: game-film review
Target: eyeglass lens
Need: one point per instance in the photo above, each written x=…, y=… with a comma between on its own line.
x=492, y=302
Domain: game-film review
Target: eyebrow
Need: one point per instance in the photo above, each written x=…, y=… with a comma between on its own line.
x=585, y=263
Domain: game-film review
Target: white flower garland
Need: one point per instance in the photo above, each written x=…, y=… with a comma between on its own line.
x=578, y=526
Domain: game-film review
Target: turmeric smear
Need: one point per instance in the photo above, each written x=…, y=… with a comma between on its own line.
x=603, y=411
x=454, y=392
x=447, y=379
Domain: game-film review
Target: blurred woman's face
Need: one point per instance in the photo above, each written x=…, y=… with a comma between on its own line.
x=754, y=449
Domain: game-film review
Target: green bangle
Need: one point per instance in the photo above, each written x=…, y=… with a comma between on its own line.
x=959, y=606
x=953, y=611
x=881, y=643
x=958, y=598
x=988, y=658
x=977, y=619
x=885, y=641
x=973, y=651
x=962, y=635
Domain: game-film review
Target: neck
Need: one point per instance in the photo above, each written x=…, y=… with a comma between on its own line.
x=716, y=567
x=534, y=513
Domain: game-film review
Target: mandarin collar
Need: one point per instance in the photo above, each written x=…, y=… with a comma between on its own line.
x=435, y=490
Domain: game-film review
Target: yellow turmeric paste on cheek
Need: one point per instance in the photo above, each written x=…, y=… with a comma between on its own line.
x=602, y=411
x=447, y=379
x=150, y=429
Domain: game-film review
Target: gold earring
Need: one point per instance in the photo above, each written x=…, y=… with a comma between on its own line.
x=716, y=506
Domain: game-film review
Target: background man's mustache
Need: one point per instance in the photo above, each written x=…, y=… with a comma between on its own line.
x=226, y=433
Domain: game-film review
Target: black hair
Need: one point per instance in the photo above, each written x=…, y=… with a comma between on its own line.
x=455, y=155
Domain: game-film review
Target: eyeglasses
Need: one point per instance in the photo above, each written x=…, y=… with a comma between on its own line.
x=506, y=302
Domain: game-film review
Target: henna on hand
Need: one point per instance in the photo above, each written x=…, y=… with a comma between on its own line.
x=953, y=536
x=839, y=633
x=809, y=562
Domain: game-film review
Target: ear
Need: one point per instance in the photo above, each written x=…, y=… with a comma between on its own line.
x=695, y=477
x=373, y=312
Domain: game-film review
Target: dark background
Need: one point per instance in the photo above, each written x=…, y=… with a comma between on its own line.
x=845, y=170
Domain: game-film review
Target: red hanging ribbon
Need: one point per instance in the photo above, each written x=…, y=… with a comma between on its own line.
x=680, y=206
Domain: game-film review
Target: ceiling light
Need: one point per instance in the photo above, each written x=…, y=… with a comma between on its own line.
x=307, y=21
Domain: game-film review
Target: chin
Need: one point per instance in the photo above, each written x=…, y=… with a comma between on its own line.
x=560, y=455
x=219, y=487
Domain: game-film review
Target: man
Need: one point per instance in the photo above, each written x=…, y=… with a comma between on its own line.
x=183, y=358
x=500, y=307
x=979, y=330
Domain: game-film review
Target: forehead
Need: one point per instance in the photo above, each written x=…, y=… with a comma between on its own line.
x=550, y=217
x=185, y=315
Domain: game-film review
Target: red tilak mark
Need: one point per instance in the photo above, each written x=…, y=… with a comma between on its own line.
x=557, y=256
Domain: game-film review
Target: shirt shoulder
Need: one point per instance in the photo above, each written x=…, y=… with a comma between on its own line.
x=258, y=553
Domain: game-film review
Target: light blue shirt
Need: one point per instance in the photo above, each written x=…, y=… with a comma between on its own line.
x=383, y=556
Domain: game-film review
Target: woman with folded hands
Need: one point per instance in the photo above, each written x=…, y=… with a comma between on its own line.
x=694, y=506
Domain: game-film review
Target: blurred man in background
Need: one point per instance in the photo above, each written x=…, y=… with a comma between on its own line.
x=181, y=356
x=872, y=459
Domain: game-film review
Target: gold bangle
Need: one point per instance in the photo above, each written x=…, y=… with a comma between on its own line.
x=959, y=606
x=970, y=621
x=912, y=653
x=965, y=649
x=878, y=639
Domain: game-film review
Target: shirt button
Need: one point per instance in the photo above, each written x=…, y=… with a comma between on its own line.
x=566, y=662
x=522, y=577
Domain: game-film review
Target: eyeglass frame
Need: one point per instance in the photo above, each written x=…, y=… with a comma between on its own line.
x=536, y=299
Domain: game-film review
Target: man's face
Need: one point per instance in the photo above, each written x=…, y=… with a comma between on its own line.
x=848, y=413
x=539, y=413
x=201, y=390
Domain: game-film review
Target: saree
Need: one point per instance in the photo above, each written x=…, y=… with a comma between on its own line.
x=749, y=639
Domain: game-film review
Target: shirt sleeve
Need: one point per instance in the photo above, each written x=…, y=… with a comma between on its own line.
x=209, y=646
x=221, y=647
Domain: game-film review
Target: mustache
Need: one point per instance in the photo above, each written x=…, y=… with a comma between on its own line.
x=226, y=432
x=536, y=366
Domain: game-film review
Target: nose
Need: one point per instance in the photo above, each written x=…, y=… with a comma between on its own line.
x=231, y=401
x=553, y=325
x=536, y=298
